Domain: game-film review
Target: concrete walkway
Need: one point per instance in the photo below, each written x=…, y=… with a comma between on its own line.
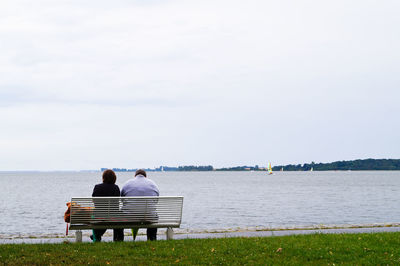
x=267, y=233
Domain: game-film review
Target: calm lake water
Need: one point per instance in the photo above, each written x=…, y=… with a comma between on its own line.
x=33, y=204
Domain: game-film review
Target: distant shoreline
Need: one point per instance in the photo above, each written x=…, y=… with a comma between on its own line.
x=176, y=171
x=353, y=165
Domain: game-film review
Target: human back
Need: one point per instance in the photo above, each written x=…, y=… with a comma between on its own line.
x=106, y=189
x=140, y=186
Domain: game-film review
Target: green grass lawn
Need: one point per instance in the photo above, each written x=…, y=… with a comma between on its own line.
x=316, y=249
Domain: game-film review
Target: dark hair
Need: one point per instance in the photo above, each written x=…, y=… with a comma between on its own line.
x=109, y=177
x=140, y=172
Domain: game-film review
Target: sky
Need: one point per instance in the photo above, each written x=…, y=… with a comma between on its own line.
x=139, y=84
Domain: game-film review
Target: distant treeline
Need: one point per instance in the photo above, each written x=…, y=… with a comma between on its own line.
x=195, y=168
x=166, y=168
x=367, y=164
x=241, y=168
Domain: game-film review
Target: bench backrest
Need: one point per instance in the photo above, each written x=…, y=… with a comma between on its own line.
x=94, y=212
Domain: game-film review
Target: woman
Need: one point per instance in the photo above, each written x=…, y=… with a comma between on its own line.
x=107, y=189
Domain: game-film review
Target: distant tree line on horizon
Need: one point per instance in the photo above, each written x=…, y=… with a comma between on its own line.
x=366, y=164
x=355, y=165
x=165, y=168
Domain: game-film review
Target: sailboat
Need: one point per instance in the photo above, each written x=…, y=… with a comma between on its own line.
x=269, y=169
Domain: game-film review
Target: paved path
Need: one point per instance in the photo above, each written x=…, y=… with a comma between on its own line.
x=211, y=235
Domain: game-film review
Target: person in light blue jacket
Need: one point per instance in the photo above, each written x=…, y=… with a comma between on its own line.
x=141, y=186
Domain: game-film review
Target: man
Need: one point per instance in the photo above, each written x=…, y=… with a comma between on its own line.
x=141, y=186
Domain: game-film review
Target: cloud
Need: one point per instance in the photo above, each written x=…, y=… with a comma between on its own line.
x=184, y=82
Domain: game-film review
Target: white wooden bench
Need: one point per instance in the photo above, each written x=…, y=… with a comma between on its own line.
x=125, y=212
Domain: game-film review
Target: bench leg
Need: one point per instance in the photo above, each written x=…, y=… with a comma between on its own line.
x=78, y=236
x=170, y=233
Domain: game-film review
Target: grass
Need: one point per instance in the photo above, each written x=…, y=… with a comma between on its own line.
x=316, y=249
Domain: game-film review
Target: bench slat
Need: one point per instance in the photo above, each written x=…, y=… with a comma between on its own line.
x=125, y=212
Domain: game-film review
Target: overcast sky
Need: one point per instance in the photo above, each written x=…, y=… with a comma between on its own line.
x=89, y=84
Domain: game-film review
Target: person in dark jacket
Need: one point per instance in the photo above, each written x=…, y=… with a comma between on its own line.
x=107, y=189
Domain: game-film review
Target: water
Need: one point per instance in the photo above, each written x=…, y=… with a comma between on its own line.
x=33, y=204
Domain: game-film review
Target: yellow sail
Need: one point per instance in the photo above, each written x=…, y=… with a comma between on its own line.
x=269, y=168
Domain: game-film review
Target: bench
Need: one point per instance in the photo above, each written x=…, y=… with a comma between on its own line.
x=125, y=212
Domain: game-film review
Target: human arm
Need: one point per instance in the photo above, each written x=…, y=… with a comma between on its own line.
x=123, y=193
x=95, y=191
